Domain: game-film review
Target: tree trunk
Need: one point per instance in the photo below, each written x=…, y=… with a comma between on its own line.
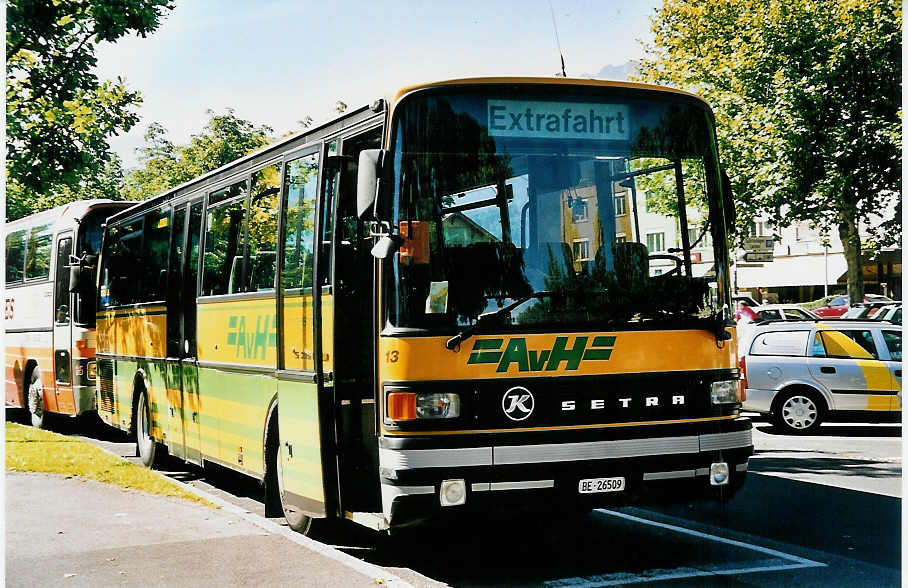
x=851, y=242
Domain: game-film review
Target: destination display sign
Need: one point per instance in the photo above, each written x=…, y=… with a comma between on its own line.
x=759, y=243
x=558, y=120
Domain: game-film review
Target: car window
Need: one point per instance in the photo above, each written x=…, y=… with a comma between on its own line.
x=856, y=344
x=840, y=301
x=893, y=341
x=854, y=312
x=795, y=314
x=780, y=343
x=770, y=315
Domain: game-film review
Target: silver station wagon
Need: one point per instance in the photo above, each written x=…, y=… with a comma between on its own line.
x=801, y=373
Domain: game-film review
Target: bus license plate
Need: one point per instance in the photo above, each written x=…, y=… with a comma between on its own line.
x=594, y=485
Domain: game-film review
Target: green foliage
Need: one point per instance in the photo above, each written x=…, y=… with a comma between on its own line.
x=59, y=116
x=165, y=165
x=807, y=97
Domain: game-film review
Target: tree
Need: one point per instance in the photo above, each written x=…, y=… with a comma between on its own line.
x=224, y=138
x=807, y=99
x=59, y=116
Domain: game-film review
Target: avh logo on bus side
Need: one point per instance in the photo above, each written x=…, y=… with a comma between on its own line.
x=533, y=360
x=252, y=344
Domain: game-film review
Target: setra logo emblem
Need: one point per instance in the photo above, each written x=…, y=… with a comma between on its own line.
x=518, y=403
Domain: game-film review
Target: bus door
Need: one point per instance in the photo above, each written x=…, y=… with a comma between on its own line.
x=182, y=366
x=62, y=400
x=345, y=274
x=302, y=430
x=189, y=355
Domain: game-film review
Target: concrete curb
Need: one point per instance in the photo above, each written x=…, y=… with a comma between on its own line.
x=379, y=575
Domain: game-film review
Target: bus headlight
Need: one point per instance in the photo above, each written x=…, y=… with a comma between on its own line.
x=409, y=406
x=724, y=392
x=437, y=406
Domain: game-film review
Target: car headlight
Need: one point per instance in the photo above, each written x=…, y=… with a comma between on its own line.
x=91, y=370
x=724, y=391
x=410, y=406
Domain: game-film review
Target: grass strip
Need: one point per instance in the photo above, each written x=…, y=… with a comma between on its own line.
x=33, y=450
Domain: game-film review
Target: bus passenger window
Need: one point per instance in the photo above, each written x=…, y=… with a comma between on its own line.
x=121, y=277
x=15, y=257
x=223, y=256
x=263, y=211
x=37, y=257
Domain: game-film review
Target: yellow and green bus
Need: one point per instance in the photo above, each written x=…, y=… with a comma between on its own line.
x=477, y=294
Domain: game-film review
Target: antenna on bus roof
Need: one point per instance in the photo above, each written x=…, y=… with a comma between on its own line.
x=557, y=40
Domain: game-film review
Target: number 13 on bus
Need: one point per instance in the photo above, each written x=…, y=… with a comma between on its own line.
x=478, y=294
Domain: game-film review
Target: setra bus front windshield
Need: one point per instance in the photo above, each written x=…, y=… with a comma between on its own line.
x=555, y=207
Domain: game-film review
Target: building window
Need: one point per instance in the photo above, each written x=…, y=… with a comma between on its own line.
x=655, y=242
x=580, y=210
x=620, y=238
x=620, y=205
x=582, y=250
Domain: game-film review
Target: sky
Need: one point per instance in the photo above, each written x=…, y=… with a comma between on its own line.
x=276, y=62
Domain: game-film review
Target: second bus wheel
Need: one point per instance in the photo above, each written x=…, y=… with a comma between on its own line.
x=147, y=449
x=35, y=399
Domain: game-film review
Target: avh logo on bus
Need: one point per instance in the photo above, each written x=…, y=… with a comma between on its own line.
x=533, y=360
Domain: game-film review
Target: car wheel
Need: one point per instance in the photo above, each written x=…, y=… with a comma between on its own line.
x=35, y=398
x=798, y=412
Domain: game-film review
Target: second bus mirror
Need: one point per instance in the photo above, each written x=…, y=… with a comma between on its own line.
x=367, y=175
x=387, y=246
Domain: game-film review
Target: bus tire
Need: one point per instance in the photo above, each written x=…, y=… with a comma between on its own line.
x=296, y=520
x=147, y=449
x=34, y=395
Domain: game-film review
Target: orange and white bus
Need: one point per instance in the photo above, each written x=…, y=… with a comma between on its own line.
x=49, y=321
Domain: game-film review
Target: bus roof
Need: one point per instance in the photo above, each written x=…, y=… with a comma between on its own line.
x=65, y=213
x=545, y=81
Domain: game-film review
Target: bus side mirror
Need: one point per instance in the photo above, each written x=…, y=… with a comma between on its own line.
x=728, y=203
x=76, y=278
x=367, y=180
x=80, y=272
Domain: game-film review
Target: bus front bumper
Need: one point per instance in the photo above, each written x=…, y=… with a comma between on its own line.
x=548, y=476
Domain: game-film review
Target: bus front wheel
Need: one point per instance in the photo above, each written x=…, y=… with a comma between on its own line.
x=296, y=520
x=35, y=396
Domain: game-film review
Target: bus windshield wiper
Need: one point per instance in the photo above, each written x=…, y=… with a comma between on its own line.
x=467, y=332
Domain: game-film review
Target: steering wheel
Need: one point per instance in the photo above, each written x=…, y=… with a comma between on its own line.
x=675, y=270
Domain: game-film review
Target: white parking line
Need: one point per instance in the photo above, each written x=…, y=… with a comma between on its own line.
x=654, y=575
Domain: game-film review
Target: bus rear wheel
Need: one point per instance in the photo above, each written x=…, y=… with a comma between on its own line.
x=35, y=399
x=147, y=448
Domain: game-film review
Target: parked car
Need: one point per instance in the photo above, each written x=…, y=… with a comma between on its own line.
x=839, y=305
x=864, y=310
x=891, y=313
x=801, y=373
x=783, y=312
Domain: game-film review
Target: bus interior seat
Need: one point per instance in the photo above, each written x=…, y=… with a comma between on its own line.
x=631, y=263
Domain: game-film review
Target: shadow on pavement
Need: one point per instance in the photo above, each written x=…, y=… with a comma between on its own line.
x=833, y=465
x=840, y=430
